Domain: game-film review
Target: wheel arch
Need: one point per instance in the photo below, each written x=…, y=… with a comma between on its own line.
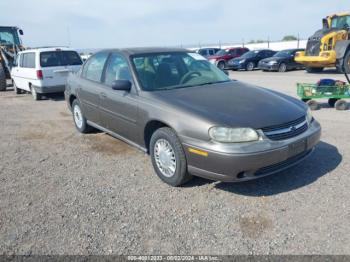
x=152, y=126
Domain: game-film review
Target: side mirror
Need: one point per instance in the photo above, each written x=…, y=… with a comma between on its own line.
x=20, y=31
x=121, y=85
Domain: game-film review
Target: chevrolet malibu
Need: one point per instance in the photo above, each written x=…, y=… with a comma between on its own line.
x=189, y=116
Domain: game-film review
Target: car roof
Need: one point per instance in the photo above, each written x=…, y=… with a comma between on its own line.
x=147, y=50
x=47, y=49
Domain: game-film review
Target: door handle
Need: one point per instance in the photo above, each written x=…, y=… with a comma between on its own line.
x=103, y=95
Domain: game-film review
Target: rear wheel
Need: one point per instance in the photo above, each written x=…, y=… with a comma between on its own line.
x=250, y=66
x=3, y=83
x=332, y=101
x=313, y=105
x=168, y=157
x=341, y=105
x=282, y=68
x=314, y=69
x=79, y=119
x=36, y=96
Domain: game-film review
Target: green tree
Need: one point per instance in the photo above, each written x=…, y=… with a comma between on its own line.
x=289, y=38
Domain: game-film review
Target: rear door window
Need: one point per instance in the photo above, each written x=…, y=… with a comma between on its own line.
x=59, y=58
x=94, y=67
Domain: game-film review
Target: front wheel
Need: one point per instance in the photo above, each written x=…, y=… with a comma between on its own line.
x=347, y=62
x=168, y=157
x=3, y=82
x=79, y=119
x=16, y=89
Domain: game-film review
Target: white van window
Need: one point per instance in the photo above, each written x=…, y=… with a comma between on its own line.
x=28, y=60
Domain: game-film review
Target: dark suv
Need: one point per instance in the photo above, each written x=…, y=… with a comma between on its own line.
x=221, y=58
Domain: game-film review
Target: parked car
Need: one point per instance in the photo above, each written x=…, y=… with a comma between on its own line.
x=189, y=116
x=221, y=58
x=249, y=61
x=206, y=52
x=282, y=61
x=44, y=70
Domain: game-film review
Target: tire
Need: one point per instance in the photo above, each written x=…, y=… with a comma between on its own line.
x=222, y=65
x=347, y=62
x=332, y=101
x=250, y=66
x=165, y=144
x=282, y=68
x=16, y=89
x=341, y=105
x=314, y=69
x=3, y=83
x=36, y=96
x=79, y=119
x=313, y=105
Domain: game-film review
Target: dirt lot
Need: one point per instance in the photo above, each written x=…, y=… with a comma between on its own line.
x=66, y=193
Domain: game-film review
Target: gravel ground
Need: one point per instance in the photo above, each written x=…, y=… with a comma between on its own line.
x=66, y=193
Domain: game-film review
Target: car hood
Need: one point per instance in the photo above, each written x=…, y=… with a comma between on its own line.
x=275, y=58
x=233, y=104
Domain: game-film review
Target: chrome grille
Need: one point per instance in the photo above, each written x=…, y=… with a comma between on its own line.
x=287, y=130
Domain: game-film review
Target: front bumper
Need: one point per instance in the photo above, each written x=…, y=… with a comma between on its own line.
x=49, y=89
x=239, y=163
x=325, y=58
x=268, y=67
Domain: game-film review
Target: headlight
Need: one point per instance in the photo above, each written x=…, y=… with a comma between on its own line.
x=233, y=135
x=272, y=62
x=309, y=116
x=242, y=61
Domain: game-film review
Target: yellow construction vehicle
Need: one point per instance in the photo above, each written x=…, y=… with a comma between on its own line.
x=10, y=45
x=328, y=47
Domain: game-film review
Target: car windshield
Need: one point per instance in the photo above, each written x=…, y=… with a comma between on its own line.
x=285, y=53
x=162, y=71
x=59, y=58
x=250, y=54
x=9, y=36
x=341, y=22
x=221, y=52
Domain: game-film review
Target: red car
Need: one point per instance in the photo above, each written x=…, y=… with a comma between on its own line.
x=221, y=58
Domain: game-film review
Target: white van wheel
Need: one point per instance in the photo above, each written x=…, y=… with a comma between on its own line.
x=35, y=95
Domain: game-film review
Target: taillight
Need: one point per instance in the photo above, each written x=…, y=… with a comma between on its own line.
x=39, y=74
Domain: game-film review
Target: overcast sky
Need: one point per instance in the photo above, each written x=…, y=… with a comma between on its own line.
x=122, y=23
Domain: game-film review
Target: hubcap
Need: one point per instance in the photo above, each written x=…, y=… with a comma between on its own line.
x=164, y=156
x=250, y=66
x=34, y=93
x=282, y=68
x=78, y=116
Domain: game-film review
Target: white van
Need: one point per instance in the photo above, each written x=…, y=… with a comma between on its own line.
x=44, y=70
